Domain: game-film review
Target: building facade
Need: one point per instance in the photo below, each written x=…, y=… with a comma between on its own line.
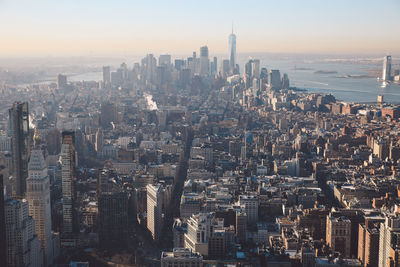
x=20, y=146
x=38, y=196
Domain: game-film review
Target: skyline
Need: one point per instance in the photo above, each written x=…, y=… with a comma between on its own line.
x=100, y=28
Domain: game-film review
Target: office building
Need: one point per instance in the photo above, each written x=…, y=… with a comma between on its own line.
x=232, y=52
x=204, y=61
x=241, y=226
x=225, y=67
x=179, y=64
x=20, y=146
x=154, y=210
x=23, y=246
x=67, y=175
x=61, y=82
x=3, y=241
x=108, y=114
x=106, y=75
x=387, y=69
x=274, y=79
x=200, y=228
x=214, y=66
x=255, y=68
x=38, y=197
x=113, y=218
x=99, y=141
x=250, y=206
x=179, y=229
x=285, y=81
x=149, y=64
x=181, y=257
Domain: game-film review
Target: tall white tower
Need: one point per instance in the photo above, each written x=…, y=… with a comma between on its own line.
x=38, y=196
x=232, y=50
x=154, y=210
x=387, y=68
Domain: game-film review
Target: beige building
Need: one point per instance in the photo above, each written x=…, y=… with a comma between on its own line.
x=338, y=234
x=181, y=257
x=38, y=196
x=154, y=210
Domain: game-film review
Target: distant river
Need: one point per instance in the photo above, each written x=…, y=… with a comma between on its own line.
x=346, y=89
x=328, y=80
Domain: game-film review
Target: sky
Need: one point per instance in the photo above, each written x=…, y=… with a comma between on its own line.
x=121, y=27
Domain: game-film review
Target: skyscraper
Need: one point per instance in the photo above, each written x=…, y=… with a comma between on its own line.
x=274, y=79
x=61, y=81
x=106, y=75
x=108, y=114
x=154, y=210
x=164, y=60
x=19, y=129
x=23, y=246
x=113, y=218
x=67, y=175
x=387, y=68
x=3, y=242
x=255, y=68
x=38, y=196
x=204, y=61
x=232, y=50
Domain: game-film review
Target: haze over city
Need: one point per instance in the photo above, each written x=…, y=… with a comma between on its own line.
x=199, y=133
x=78, y=28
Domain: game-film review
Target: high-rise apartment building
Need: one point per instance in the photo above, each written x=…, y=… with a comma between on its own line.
x=67, y=176
x=154, y=210
x=38, y=196
x=368, y=243
x=20, y=146
x=23, y=246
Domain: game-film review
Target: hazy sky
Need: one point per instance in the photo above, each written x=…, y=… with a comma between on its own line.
x=117, y=27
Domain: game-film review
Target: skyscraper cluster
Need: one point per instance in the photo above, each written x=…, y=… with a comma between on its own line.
x=188, y=162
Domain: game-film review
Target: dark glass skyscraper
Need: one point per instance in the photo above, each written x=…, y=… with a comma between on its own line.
x=20, y=147
x=3, y=241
